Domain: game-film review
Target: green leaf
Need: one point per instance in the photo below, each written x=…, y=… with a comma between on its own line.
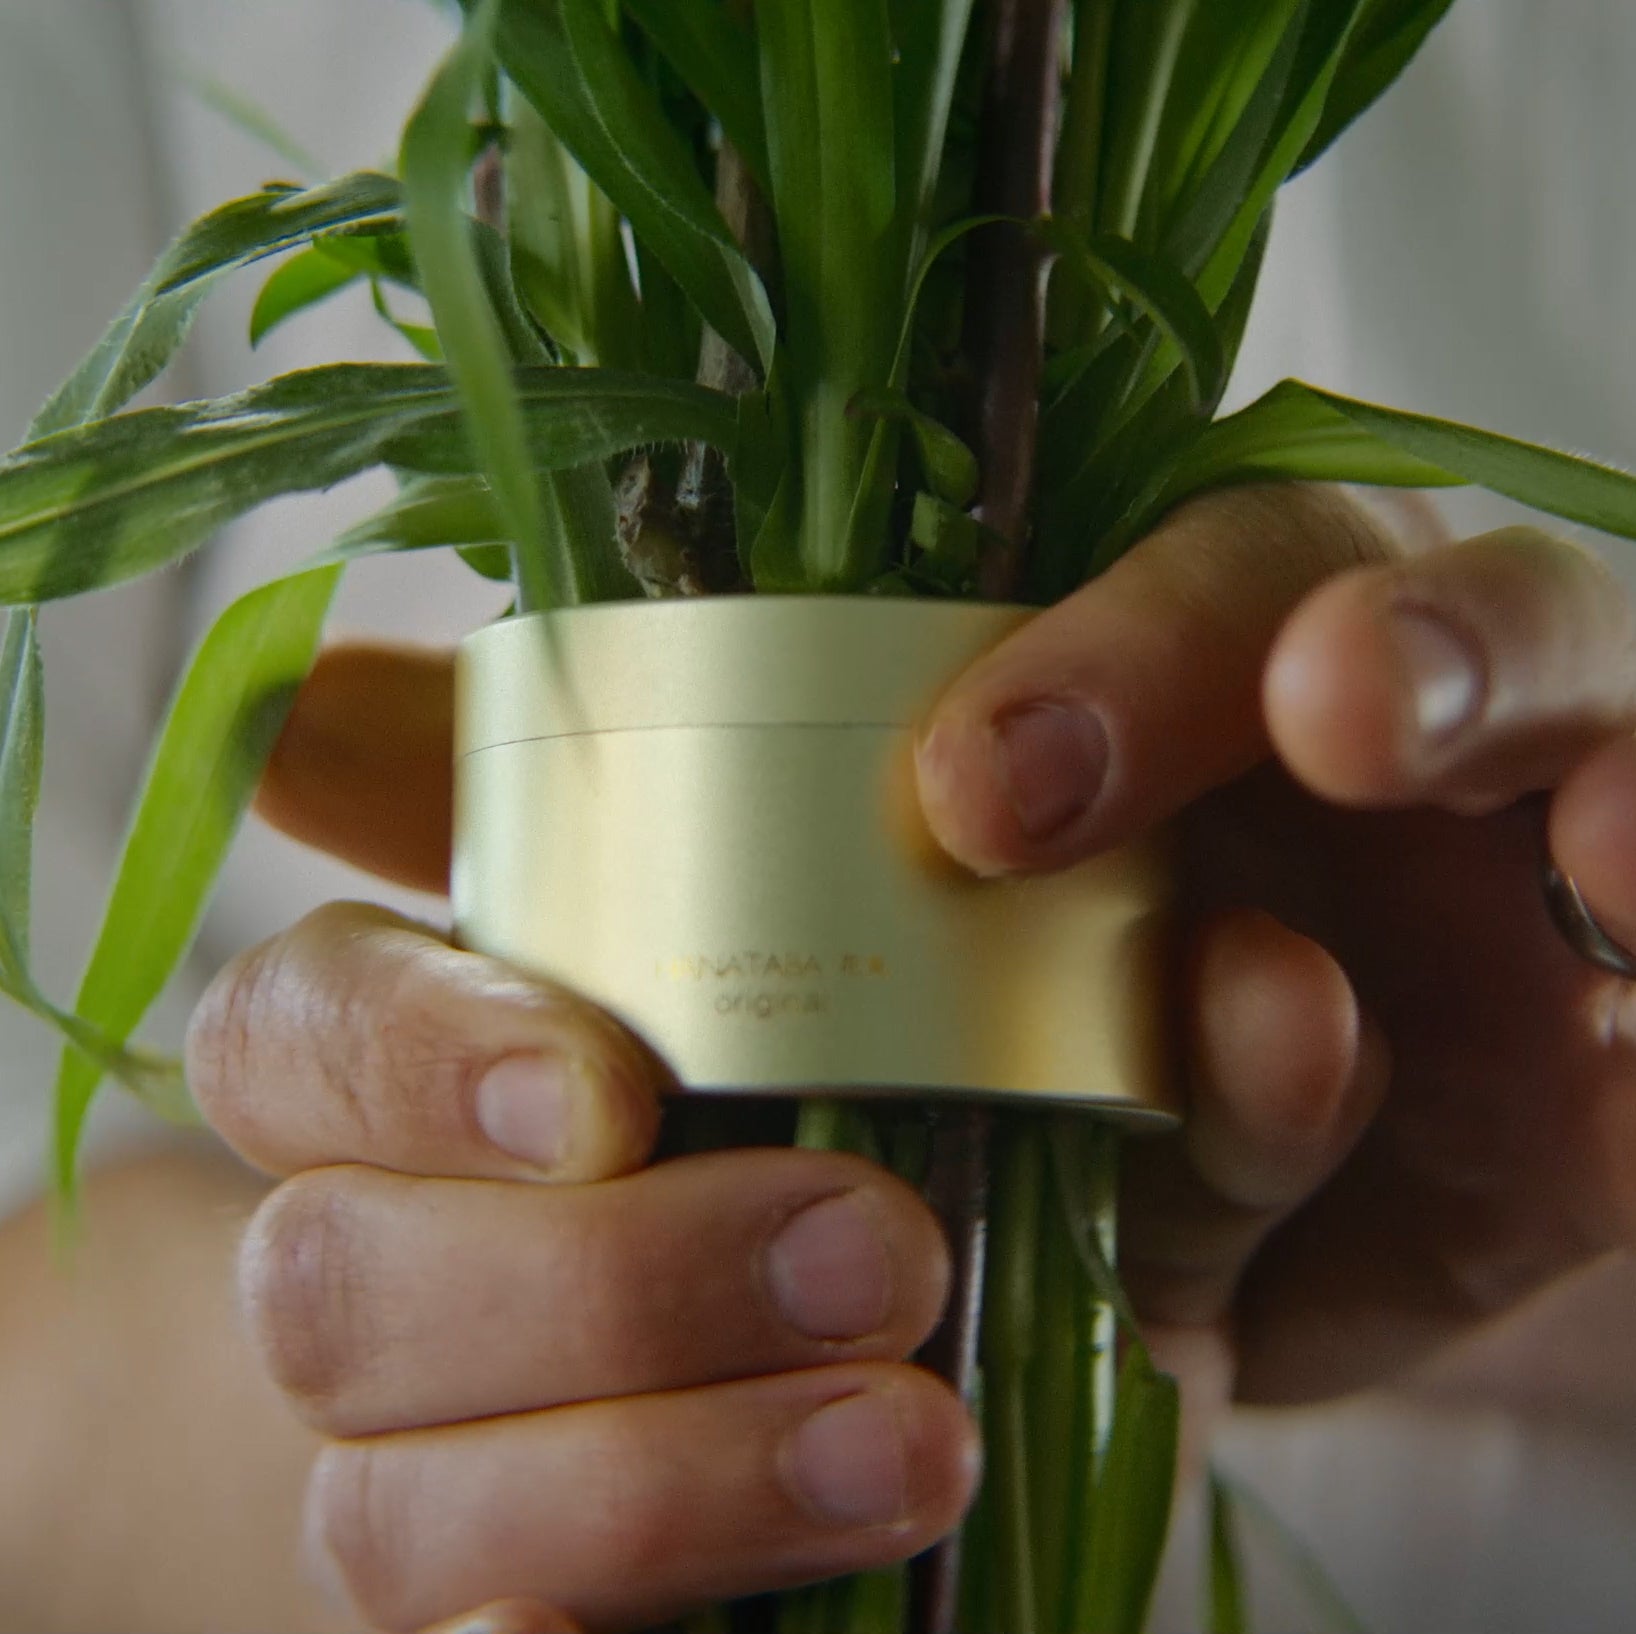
x=931, y=43
x=421, y=337
x=1143, y=55
x=1222, y=67
x=22, y=728
x=1161, y=292
x=248, y=116
x=715, y=56
x=567, y=61
x=334, y=261
x=1223, y=173
x=153, y=1080
x=1225, y=1602
x=436, y=163
x=301, y=282
x=375, y=254
x=1297, y=434
x=763, y=481
x=212, y=750
x=950, y=466
x=1388, y=36
x=1330, y=1608
x=1319, y=52
x=148, y=333
x=122, y=497
x=873, y=494
x=429, y=512
x=948, y=542
x=827, y=87
x=568, y=250
x=1131, y=1520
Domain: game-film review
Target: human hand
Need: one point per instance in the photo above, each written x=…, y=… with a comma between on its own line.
x=548, y=1372
x=1410, y=1102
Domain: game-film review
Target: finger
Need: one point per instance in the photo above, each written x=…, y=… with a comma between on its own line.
x=1286, y=1075
x=626, y=1513
x=1593, y=836
x=509, y=1617
x=1114, y=709
x=363, y=767
x=1463, y=678
x=383, y=1303
x=358, y=1037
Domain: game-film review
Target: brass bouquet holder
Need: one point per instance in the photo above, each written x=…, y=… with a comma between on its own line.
x=701, y=814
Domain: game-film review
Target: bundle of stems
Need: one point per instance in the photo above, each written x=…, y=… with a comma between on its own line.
x=867, y=297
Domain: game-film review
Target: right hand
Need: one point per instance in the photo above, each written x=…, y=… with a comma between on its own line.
x=547, y=1371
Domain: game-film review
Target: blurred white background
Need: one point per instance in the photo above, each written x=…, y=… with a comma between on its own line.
x=1468, y=252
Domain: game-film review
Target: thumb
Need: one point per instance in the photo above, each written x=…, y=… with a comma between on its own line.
x=364, y=767
x=1108, y=713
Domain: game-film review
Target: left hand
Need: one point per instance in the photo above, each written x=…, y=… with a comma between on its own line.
x=1411, y=1105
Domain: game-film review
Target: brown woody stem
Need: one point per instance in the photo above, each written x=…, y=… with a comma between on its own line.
x=1005, y=299
x=1005, y=341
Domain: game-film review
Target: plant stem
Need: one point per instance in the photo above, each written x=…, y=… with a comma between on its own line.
x=1010, y=1330
x=1056, y=1405
x=957, y=1188
x=1005, y=309
x=1087, y=1171
x=1076, y=185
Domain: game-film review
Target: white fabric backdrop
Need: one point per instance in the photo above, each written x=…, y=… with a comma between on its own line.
x=1467, y=251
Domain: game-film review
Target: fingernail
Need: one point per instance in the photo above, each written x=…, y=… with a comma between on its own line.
x=846, y=1464
x=1442, y=669
x=1053, y=758
x=829, y=1270
x=509, y=1617
x=525, y=1105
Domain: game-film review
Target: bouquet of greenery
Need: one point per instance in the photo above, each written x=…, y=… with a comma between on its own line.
x=890, y=298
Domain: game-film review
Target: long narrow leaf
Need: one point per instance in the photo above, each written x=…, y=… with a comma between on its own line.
x=22, y=725
x=430, y=512
x=1298, y=432
x=1220, y=72
x=154, y=1081
x=929, y=53
x=1388, y=36
x=1132, y=1507
x=715, y=56
x=1330, y=1608
x=1159, y=291
x=569, y=64
x=1146, y=45
x=1225, y=1596
x=1319, y=53
x=436, y=163
x=1209, y=203
x=826, y=81
x=119, y=498
x=212, y=750
x=148, y=333
x=248, y=116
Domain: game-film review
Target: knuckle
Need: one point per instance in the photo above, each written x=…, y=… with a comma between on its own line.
x=628, y=1520
x=360, y=1515
x=225, y=1032
x=304, y=1287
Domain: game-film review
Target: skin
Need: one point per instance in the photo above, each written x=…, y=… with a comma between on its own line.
x=621, y=1390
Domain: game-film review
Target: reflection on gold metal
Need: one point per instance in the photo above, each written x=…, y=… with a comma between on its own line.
x=700, y=814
